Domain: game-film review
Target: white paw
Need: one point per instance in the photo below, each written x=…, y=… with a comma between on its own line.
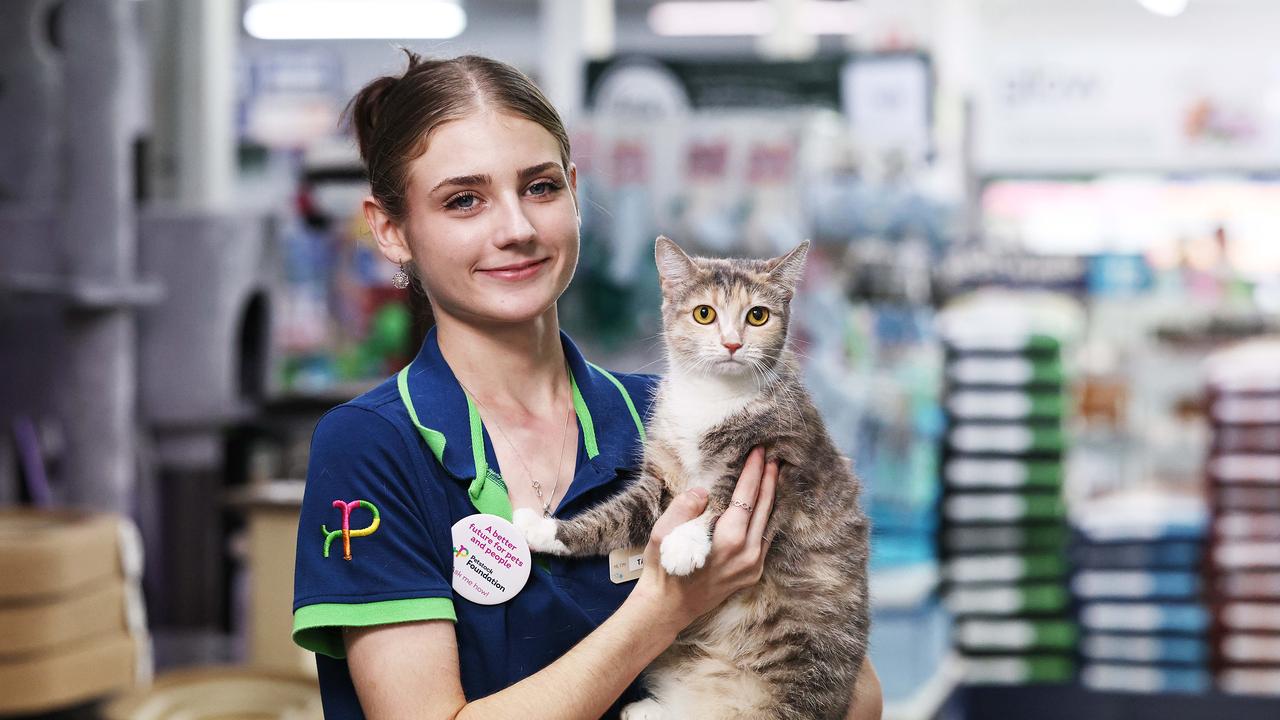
x=539, y=531
x=686, y=548
x=647, y=709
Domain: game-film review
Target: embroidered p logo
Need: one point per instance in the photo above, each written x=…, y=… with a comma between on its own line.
x=461, y=552
x=346, y=533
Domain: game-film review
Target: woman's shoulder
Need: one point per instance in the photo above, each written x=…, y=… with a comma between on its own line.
x=367, y=448
x=372, y=424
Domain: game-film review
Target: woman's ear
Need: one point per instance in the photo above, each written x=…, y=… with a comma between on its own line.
x=573, y=187
x=388, y=234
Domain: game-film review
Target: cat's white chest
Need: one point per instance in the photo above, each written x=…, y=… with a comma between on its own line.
x=687, y=411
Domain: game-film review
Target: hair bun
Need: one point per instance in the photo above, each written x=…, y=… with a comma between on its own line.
x=365, y=109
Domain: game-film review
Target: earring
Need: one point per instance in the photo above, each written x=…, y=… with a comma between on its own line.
x=401, y=279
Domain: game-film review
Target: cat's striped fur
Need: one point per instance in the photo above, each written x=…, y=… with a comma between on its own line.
x=790, y=646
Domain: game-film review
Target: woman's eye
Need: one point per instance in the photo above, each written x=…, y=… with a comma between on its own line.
x=758, y=315
x=704, y=314
x=464, y=201
x=543, y=187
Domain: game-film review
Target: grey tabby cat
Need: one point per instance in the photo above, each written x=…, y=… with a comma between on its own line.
x=790, y=646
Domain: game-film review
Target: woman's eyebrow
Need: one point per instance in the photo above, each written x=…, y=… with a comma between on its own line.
x=538, y=169
x=464, y=180
x=477, y=180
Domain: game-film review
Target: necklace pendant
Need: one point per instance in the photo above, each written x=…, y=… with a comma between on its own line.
x=546, y=510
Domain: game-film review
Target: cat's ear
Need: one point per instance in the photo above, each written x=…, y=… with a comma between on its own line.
x=788, y=269
x=674, y=266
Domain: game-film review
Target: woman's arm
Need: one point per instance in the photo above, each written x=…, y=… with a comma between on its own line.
x=868, y=703
x=411, y=670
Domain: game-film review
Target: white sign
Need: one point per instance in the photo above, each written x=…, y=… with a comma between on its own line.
x=887, y=102
x=1060, y=110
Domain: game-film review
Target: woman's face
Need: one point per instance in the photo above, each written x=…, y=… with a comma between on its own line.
x=492, y=219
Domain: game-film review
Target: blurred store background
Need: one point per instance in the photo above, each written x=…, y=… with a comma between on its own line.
x=1041, y=316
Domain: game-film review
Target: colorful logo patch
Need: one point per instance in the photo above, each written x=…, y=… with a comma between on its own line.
x=461, y=552
x=346, y=533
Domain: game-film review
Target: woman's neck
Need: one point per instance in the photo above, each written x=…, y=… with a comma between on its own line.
x=515, y=370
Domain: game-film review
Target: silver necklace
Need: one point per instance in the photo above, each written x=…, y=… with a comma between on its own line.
x=537, y=486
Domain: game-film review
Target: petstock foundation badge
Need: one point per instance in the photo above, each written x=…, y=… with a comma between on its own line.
x=491, y=559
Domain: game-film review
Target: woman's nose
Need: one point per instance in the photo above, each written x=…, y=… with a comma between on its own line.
x=515, y=227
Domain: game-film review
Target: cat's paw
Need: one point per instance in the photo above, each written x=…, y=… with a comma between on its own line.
x=647, y=709
x=686, y=548
x=539, y=531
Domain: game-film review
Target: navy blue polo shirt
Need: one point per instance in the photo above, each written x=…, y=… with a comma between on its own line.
x=389, y=474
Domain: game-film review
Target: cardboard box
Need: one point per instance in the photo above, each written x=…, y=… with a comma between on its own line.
x=73, y=675
x=33, y=627
x=55, y=552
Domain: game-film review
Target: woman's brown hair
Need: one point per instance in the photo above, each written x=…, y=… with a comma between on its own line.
x=394, y=116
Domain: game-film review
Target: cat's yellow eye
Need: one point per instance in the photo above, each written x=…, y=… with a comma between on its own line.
x=758, y=315
x=704, y=314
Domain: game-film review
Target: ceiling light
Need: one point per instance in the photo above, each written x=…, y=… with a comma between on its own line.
x=354, y=19
x=1167, y=8
x=750, y=17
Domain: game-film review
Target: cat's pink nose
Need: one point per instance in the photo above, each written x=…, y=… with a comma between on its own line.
x=732, y=346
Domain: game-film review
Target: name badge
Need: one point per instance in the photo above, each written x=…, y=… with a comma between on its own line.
x=626, y=564
x=491, y=559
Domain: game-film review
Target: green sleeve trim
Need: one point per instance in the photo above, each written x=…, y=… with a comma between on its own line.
x=434, y=438
x=635, y=416
x=318, y=628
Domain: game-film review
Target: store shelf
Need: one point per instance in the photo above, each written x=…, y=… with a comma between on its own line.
x=928, y=701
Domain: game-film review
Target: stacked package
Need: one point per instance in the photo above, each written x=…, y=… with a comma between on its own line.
x=1143, y=623
x=72, y=624
x=1243, y=475
x=1004, y=533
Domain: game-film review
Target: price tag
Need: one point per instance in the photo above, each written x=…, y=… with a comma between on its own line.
x=491, y=559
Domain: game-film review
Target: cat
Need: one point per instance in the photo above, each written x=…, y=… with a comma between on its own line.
x=790, y=646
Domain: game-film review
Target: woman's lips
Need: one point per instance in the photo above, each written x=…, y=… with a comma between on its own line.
x=519, y=272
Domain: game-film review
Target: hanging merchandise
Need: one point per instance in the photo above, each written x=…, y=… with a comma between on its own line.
x=1243, y=477
x=343, y=320
x=613, y=298
x=372, y=314
x=973, y=268
x=1004, y=534
x=304, y=321
x=632, y=232
x=774, y=222
x=703, y=213
x=874, y=373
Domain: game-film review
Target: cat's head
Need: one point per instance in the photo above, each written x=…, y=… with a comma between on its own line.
x=726, y=317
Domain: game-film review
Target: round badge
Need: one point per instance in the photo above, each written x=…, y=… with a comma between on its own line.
x=491, y=559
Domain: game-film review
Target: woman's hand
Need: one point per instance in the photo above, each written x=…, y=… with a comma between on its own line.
x=868, y=702
x=738, y=546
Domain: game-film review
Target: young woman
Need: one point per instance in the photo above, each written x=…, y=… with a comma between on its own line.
x=473, y=193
